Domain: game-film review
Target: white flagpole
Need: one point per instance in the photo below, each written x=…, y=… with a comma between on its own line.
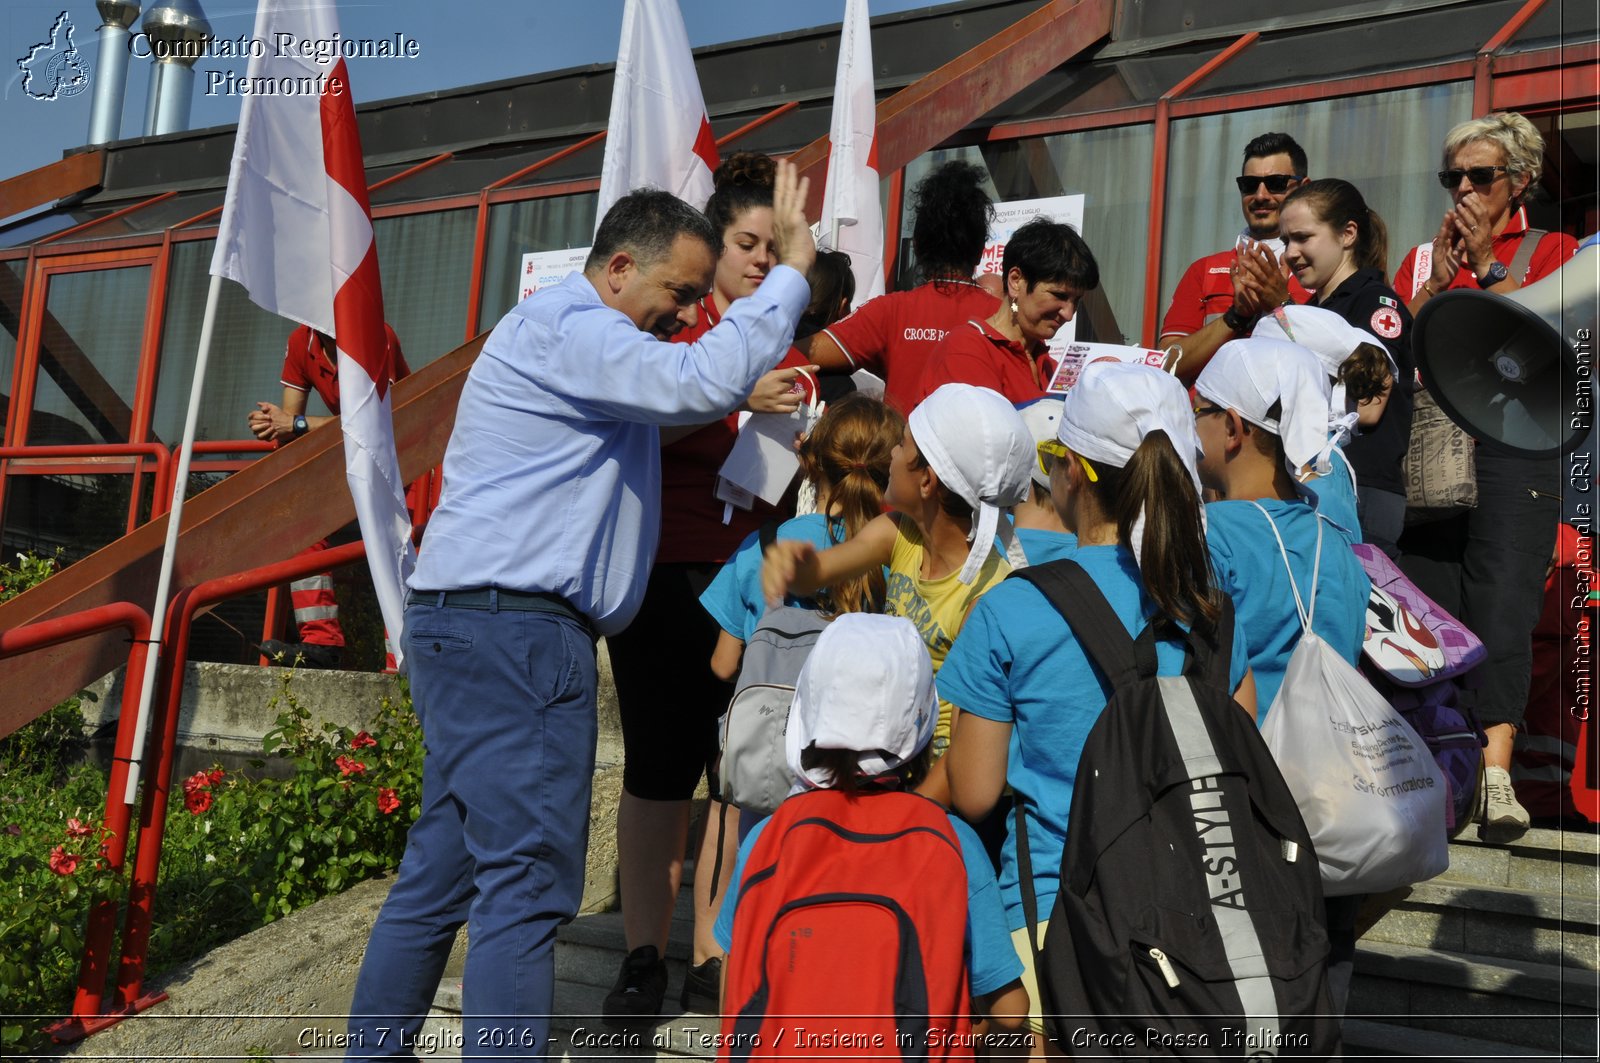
x=169, y=553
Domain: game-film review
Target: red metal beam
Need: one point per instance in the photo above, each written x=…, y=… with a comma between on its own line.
x=548, y=160
x=1158, y=180
x=56, y=180
x=756, y=123
x=426, y=164
x=937, y=105
x=113, y=216
x=1483, y=74
x=1525, y=90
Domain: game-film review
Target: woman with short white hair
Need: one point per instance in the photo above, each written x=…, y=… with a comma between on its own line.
x=1487, y=565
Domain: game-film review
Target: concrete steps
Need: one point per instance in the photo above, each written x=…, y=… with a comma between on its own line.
x=589, y=953
x=1498, y=956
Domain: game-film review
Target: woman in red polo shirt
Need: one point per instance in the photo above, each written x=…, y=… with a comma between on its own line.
x=893, y=334
x=1046, y=269
x=1487, y=565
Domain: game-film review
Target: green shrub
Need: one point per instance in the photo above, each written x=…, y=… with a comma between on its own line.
x=238, y=853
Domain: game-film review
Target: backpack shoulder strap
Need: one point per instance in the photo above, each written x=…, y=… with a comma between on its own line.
x=1098, y=629
x=1524, y=255
x=1210, y=660
x=1307, y=610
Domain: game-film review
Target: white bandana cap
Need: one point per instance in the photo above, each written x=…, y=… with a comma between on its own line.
x=1114, y=405
x=1041, y=416
x=980, y=448
x=1250, y=375
x=1333, y=340
x=867, y=686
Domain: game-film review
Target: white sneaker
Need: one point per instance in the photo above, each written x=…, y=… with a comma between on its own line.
x=1504, y=818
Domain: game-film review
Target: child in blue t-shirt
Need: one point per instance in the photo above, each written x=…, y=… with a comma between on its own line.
x=1361, y=375
x=861, y=721
x=1262, y=416
x=846, y=456
x=1122, y=475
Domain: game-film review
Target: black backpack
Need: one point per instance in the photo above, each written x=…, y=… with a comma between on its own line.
x=1190, y=916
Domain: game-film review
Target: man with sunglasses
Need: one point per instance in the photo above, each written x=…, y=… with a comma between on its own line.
x=1220, y=296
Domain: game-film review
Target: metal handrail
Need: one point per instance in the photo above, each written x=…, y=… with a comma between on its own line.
x=53, y=632
x=185, y=605
x=157, y=452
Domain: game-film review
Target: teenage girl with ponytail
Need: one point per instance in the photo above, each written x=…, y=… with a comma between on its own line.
x=847, y=457
x=1338, y=247
x=1123, y=479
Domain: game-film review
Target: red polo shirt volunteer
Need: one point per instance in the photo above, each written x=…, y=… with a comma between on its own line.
x=894, y=334
x=975, y=353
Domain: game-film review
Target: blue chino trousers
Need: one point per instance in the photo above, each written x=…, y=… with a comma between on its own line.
x=507, y=704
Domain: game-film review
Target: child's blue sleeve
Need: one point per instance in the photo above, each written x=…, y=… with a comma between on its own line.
x=992, y=961
x=1336, y=496
x=722, y=930
x=724, y=598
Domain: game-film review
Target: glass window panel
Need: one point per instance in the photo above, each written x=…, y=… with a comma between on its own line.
x=1099, y=163
x=89, y=356
x=246, y=359
x=11, y=280
x=1393, y=169
x=1367, y=46
x=548, y=224
x=77, y=514
x=1558, y=24
x=426, y=262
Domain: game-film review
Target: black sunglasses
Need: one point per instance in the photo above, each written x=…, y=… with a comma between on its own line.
x=1277, y=183
x=1478, y=175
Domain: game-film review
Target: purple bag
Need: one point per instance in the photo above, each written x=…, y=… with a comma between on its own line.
x=1417, y=655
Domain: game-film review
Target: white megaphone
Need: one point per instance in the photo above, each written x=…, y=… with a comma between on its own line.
x=1516, y=371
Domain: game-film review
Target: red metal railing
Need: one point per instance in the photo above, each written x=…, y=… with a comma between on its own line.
x=103, y=916
x=88, y=1017
x=103, y=452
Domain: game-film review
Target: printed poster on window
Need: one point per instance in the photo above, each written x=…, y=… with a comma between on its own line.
x=540, y=269
x=1008, y=218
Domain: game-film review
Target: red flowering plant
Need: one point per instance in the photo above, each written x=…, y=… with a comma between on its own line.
x=53, y=868
x=344, y=814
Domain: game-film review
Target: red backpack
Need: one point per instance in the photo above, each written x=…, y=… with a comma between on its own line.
x=850, y=936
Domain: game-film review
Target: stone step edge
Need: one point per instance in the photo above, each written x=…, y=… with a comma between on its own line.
x=1573, y=987
x=1554, y=907
x=1390, y=1041
x=1540, y=842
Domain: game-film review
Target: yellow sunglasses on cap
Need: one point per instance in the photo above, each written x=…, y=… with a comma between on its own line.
x=1052, y=449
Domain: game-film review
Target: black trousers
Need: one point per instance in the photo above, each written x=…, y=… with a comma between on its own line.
x=1487, y=567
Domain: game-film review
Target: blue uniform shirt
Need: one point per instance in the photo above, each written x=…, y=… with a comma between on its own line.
x=1017, y=662
x=552, y=478
x=734, y=598
x=1250, y=569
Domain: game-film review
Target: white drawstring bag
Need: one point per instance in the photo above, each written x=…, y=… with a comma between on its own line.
x=1370, y=792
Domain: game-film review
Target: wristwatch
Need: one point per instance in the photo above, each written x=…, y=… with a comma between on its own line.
x=300, y=425
x=1235, y=322
x=1498, y=272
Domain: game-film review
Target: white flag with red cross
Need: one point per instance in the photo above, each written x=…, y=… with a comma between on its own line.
x=296, y=232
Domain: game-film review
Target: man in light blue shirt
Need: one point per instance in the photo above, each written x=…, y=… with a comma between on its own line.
x=542, y=540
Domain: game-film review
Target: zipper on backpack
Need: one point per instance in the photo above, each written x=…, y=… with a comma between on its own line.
x=1291, y=851
x=1167, y=970
x=1542, y=494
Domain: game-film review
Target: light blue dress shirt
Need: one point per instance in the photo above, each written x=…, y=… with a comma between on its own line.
x=552, y=477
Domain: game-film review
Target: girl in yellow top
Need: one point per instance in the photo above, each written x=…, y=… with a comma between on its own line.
x=966, y=455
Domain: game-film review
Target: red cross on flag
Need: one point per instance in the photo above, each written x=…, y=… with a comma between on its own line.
x=657, y=133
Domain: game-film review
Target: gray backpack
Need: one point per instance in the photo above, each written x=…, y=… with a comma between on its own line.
x=754, y=772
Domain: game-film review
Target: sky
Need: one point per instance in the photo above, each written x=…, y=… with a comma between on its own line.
x=458, y=42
